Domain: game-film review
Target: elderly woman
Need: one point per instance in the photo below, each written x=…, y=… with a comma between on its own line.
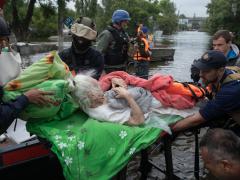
x=97, y=105
x=123, y=104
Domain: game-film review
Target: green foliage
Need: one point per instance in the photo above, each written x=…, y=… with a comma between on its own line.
x=44, y=22
x=86, y=8
x=221, y=16
x=41, y=26
x=168, y=21
x=141, y=11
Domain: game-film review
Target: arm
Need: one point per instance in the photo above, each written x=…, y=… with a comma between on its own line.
x=98, y=65
x=190, y=121
x=137, y=116
x=103, y=41
x=10, y=111
x=65, y=56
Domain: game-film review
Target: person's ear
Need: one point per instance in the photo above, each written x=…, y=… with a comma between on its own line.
x=226, y=165
x=220, y=70
x=229, y=44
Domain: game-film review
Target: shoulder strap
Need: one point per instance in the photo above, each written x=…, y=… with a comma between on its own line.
x=231, y=77
x=234, y=68
x=204, y=92
x=115, y=34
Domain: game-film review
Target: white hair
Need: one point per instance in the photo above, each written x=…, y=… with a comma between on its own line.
x=82, y=86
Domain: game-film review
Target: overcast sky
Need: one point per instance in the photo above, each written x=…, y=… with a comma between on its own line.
x=189, y=7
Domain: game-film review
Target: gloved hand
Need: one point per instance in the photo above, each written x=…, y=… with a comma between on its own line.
x=195, y=72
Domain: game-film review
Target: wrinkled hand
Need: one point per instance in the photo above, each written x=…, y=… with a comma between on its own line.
x=36, y=96
x=118, y=82
x=121, y=92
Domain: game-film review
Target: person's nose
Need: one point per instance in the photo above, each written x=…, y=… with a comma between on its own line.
x=216, y=47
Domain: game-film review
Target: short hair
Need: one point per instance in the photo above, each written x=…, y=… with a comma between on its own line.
x=83, y=85
x=225, y=34
x=221, y=144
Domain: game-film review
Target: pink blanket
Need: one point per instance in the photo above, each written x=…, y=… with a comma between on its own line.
x=158, y=85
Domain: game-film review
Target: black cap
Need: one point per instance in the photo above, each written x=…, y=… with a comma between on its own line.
x=211, y=60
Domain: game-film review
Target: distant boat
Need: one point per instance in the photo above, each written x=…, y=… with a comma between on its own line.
x=162, y=54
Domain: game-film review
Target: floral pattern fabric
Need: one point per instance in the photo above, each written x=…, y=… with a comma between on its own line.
x=89, y=149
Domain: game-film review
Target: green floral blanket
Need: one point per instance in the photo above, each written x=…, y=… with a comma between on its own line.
x=89, y=149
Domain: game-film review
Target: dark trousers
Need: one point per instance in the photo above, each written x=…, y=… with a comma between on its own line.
x=142, y=69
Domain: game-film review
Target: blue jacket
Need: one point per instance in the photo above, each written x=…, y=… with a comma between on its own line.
x=233, y=57
x=10, y=111
x=226, y=101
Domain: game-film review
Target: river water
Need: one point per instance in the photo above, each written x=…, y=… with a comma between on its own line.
x=188, y=46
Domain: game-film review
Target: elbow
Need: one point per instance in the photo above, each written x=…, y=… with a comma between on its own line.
x=136, y=121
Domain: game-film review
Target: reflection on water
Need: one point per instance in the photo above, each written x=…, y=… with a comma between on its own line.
x=189, y=45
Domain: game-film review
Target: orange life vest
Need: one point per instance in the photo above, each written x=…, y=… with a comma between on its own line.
x=137, y=56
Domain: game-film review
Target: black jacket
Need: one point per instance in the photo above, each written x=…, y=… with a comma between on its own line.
x=10, y=111
x=91, y=59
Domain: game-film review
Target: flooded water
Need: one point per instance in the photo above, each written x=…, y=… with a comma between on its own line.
x=188, y=45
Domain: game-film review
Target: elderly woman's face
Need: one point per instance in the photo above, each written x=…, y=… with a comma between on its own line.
x=96, y=99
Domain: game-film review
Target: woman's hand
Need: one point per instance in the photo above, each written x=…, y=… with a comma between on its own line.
x=137, y=116
x=121, y=92
x=118, y=82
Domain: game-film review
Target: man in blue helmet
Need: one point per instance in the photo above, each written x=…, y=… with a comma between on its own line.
x=113, y=42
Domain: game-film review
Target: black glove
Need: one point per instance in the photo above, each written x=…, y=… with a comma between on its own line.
x=195, y=72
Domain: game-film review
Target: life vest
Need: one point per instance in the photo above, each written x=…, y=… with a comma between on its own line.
x=188, y=89
x=118, y=54
x=142, y=56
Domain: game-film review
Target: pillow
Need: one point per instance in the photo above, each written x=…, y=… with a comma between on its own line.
x=49, y=67
x=34, y=112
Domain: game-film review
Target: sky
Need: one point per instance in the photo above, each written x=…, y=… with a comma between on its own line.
x=189, y=7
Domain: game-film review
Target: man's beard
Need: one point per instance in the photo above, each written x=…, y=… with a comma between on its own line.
x=206, y=82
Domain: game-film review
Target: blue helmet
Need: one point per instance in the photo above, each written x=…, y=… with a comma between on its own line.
x=144, y=29
x=120, y=15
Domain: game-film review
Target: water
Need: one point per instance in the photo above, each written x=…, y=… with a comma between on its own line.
x=188, y=45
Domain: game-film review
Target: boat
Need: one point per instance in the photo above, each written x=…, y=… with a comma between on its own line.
x=162, y=54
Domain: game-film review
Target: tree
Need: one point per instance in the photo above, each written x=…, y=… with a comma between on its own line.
x=146, y=15
x=168, y=21
x=221, y=16
x=22, y=12
x=21, y=16
x=86, y=8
